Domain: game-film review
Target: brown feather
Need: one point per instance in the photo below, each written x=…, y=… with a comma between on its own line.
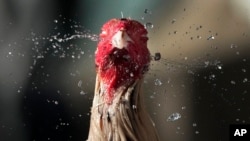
x=125, y=119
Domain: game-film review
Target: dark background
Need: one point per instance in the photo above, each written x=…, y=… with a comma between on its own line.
x=46, y=85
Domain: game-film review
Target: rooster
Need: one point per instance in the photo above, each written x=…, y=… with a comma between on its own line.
x=122, y=58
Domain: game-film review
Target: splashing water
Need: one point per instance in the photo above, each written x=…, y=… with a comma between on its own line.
x=158, y=82
x=211, y=37
x=148, y=25
x=174, y=117
x=92, y=37
x=147, y=11
x=60, y=44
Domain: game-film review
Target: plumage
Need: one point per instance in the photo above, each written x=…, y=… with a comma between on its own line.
x=121, y=58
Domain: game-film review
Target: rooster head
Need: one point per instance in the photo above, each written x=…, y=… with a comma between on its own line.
x=122, y=56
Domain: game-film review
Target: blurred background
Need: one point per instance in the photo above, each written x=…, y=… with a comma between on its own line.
x=195, y=91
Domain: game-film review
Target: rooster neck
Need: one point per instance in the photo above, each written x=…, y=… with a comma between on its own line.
x=121, y=59
x=124, y=119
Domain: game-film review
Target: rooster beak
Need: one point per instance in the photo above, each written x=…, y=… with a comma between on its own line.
x=120, y=39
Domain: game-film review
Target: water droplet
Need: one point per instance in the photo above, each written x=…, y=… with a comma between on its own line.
x=194, y=124
x=233, y=46
x=197, y=132
x=79, y=84
x=56, y=102
x=157, y=56
x=131, y=74
x=211, y=37
x=60, y=40
x=78, y=56
x=206, y=63
x=29, y=74
x=212, y=76
x=173, y=21
x=36, y=43
x=233, y=82
x=134, y=106
x=158, y=82
x=82, y=92
x=174, y=117
x=147, y=11
x=94, y=37
x=40, y=56
x=55, y=21
x=190, y=72
x=148, y=25
x=245, y=80
x=219, y=67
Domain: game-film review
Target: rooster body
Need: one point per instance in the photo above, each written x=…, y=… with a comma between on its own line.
x=121, y=58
